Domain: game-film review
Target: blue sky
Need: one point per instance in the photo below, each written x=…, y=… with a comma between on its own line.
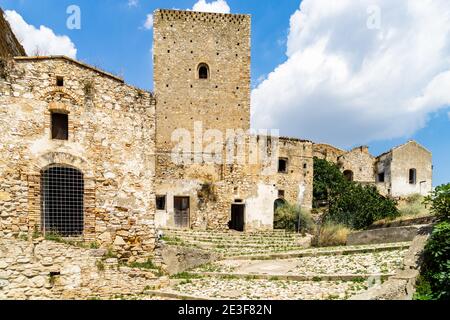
x=382, y=110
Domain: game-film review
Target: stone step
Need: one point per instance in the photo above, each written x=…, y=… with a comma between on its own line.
x=218, y=237
x=275, y=277
x=236, y=246
x=322, y=252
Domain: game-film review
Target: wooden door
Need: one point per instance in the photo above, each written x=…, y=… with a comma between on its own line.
x=182, y=208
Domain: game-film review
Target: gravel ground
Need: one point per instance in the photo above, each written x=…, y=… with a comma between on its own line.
x=243, y=289
x=361, y=263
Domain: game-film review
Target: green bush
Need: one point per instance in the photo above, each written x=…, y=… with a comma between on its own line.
x=439, y=202
x=328, y=180
x=288, y=217
x=434, y=283
x=358, y=207
x=350, y=203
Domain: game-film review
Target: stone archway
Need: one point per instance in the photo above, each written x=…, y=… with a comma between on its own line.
x=35, y=192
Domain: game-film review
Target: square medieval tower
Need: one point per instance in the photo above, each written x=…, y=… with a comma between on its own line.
x=201, y=72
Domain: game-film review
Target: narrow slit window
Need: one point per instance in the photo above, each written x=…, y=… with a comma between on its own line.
x=60, y=126
x=381, y=177
x=160, y=202
x=412, y=176
x=60, y=81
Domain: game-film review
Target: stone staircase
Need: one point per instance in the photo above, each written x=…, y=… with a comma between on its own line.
x=230, y=244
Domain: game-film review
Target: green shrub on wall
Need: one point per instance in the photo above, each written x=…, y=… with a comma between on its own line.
x=439, y=202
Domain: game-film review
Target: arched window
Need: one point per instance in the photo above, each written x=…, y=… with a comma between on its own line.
x=62, y=203
x=203, y=71
x=348, y=174
x=412, y=176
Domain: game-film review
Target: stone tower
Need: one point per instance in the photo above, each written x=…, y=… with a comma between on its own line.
x=201, y=72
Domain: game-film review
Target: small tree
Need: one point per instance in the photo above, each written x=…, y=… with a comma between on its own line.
x=439, y=202
x=328, y=180
x=292, y=218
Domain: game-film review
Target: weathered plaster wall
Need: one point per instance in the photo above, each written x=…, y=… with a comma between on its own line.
x=406, y=157
x=111, y=141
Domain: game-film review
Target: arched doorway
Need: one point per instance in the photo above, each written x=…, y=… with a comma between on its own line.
x=348, y=174
x=277, y=205
x=62, y=201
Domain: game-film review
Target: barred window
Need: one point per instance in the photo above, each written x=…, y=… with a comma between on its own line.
x=62, y=203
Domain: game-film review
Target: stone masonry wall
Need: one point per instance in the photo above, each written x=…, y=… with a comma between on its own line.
x=182, y=41
x=213, y=188
x=360, y=162
x=48, y=270
x=111, y=141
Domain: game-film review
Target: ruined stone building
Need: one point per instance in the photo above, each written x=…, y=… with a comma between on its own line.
x=402, y=171
x=86, y=156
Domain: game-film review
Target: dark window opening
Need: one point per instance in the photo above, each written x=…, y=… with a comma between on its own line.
x=412, y=176
x=281, y=193
x=348, y=174
x=60, y=81
x=203, y=71
x=160, y=202
x=282, y=165
x=381, y=177
x=62, y=201
x=305, y=166
x=60, y=126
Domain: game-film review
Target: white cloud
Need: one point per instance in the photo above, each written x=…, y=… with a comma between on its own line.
x=148, y=24
x=42, y=41
x=345, y=83
x=219, y=6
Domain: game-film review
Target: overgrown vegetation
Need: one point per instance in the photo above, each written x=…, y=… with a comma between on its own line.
x=330, y=235
x=435, y=277
x=349, y=203
x=292, y=218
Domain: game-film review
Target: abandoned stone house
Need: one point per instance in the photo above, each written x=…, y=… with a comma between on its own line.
x=402, y=171
x=87, y=156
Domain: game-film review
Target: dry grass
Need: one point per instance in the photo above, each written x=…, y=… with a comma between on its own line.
x=410, y=208
x=330, y=235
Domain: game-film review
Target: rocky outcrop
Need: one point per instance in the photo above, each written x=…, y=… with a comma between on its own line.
x=9, y=45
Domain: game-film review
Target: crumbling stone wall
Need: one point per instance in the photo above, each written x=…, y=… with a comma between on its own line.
x=213, y=188
x=111, y=141
x=42, y=269
x=360, y=162
x=327, y=152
